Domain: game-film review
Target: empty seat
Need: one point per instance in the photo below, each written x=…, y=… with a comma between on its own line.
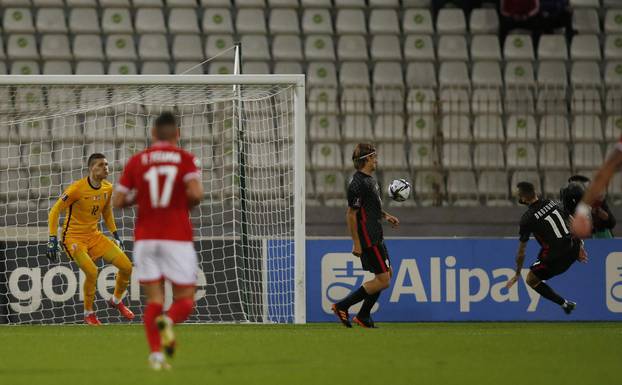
x=422, y=155
x=456, y=128
x=613, y=20
x=57, y=67
x=116, y=20
x=484, y=21
x=554, y=155
x=518, y=47
x=521, y=155
x=430, y=187
x=586, y=101
x=521, y=128
x=488, y=128
x=613, y=127
x=487, y=74
x=150, y=20
x=284, y=21
x=613, y=47
x=321, y=74
x=51, y=20
x=454, y=74
x=519, y=100
x=455, y=101
x=421, y=75
x=217, y=20
x=552, y=101
x=251, y=20
x=283, y=67
x=120, y=47
x=217, y=44
x=190, y=3
x=114, y=3
x=194, y=67
x=587, y=128
x=22, y=47
x=357, y=127
x=356, y=101
x=83, y=20
x=324, y=128
x=552, y=74
x=256, y=47
x=493, y=184
x=384, y=21
x=354, y=74
x=585, y=74
x=554, y=128
x=417, y=21
x=221, y=68
x=419, y=47
x=317, y=21
x=153, y=47
x=452, y=47
x=24, y=67
x=286, y=47
x=326, y=155
x=553, y=180
x=462, y=188
x=148, y=3
x=587, y=156
x=387, y=98
x=586, y=21
x=350, y=21
x=319, y=47
x=450, y=21
x=323, y=100
x=350, y=4
x=81, y=3
x=89, y=67
x=32, y=130
x=386, y=47
x=122, y=68
x=519, y=74
x=183, y=20
x=352, y=47
x=389, y=127
x=488, y=156
x=457, y=156
x=526, y=176
x=330, y=184
x=187, y=47
x=98, y=127
x=18, y=20
x=55, y=47
x=585, y=47
x=613, y=74
x=486, y=101
x=421, y=101
x=388, y=74
x=552, y=47
x=485, y=47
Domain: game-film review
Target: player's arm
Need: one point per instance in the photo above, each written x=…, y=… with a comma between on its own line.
x=110, y=224
x=391, y=219
x=194, y=192
x=354, y=233
x=69, y=196
x=520, y=260
x=122, y=196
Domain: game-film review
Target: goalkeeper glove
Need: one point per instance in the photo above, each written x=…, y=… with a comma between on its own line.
x=117, y=240
x=52, y=253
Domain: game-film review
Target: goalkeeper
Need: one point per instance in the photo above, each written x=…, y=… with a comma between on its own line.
x=84, y=202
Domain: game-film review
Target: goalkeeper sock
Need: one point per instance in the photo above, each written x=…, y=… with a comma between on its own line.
x=545, y=290
x=353, y=298
x=180, y=310
x=368, y=303
x=152, y=311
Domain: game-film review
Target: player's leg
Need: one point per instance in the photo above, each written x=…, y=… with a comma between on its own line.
x=540, y=272
x=79, y=254
x=115, y=256
x=363, y=318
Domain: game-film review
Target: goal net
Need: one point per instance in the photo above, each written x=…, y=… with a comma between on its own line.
x=247, y=131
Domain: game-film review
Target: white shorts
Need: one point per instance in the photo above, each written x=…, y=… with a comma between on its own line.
x=156, y=259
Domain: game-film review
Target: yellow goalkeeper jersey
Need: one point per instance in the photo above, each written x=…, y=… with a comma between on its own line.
x=84, y=206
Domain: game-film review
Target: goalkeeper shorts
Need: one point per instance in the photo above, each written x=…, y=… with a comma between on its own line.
x=95, y=245
x=155, y=260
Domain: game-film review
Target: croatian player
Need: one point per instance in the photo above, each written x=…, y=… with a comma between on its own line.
x=364, y=218
x=85, y=201
x=581, y=223
x=166, y=182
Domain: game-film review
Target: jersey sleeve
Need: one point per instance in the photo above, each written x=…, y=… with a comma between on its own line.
x=70, y=195
x=190, y=168
x=354, y=195
x=619, y=145
x=109, y=216
x=127, y=181
x=525, y=229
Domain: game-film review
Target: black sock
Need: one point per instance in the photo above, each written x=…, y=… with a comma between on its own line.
x=353, y=298
x=369, y=302
x=545, y=290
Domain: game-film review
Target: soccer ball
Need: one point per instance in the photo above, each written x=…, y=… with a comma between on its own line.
x=399, y=190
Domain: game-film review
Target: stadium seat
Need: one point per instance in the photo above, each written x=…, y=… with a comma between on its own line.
x=187, y=47
x=22, y=47
x=585, y=47
x=83, y=20
x=613, y=21
x=422, y=155
x=417, y=21
x=148, y=3
x=215, y=3
x=284, y=67
x=183, y=20
x=586, y=101
x=552, y=74
x=613, y=47
x=384, y=21
x=354, y=74
x=421, y=75
x=461, y=185
x=552, y=47
x=493, y=185
x=220, y=68
x=153, y=47
x=350, y=21
x=330, y=184
x=321, y=74
x=326, y=155
x=419, y=47
x=613, y=101
x=488, y=156
x=613, y=128
x=457, y=156
x=9, y=158
x=586, y=74
x=454, y=74
x=57, y=67
x=488, y=128
x=552, y=101
x=357, y=127
x=89, y=67
x=317, y=21
x=553, y=181
x=256, y=47
x=120, y=47
x=554, y=156
x=613, y=74
x=421, y=128
x=114, y=3
x=521, y=128
x=429, y=186
x=455, y=101
x=484, y=21
x=452, y=47
x=384, y=3
x=386, y=47
x=518, y=47
x=587, y=128
x=133, y=127
x=287, y=47
x=43, y=185
x=586, y=21
x=319, y=47
x=282, y=21
x=66, y=127
x=47, y=3
x=519, y=74
x=388, y=99
x=127, y=149
x=150, y=20
x=389, y=127
x=487, y=74
x=521, y=156
x=355, y=101
x=324, y=128
x=388, y=74
x=485, y=47
x=456, y=128
x=283, y=3
x=450, y=21
x=554, y=128
x=116, y=20
x=350, y=4
x=421, y=101
x=34, y=131
x=250, y=20
x=216, y=44
x=55, y=47
x=352, y=47
x=519, y=100
x=486, y=101
x=217, y=20
x=81, y=3
x=17, y=20
x=98, y=127
x=51, y=20
x=323, y=101
x=587, y=156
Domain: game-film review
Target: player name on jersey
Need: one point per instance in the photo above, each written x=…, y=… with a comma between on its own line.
x=544, y=210
x=161, y=157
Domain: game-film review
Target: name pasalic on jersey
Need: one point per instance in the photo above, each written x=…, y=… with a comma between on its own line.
x=545, y=209
x=161, y=157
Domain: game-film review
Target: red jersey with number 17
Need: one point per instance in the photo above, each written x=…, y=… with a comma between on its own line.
x=158, y=175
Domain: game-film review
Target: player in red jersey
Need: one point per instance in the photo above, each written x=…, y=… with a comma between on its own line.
x=581, y=223
x=165, y=182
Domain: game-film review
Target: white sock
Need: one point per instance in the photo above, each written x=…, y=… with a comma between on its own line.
x=565, y=304
x=87, y=313
x=116, y=300
x=156, y=356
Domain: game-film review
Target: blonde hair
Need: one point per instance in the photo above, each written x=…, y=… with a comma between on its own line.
x=360, y=154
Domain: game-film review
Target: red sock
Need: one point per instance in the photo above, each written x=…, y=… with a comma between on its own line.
x=181, y=309
x=152, y=311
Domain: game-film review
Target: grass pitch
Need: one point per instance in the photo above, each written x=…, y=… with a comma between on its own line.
x=324, y=354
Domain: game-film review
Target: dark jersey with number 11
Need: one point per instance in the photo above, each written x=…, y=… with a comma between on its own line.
x=548, y=222
x=364, y=195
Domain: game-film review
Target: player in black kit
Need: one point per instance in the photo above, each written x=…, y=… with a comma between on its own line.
x=548, y=222
x=364, y=218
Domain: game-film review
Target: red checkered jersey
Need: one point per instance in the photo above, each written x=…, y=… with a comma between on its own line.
x=158, y=175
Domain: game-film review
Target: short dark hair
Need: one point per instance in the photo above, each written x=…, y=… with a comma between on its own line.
x=578, y=178
x=94, y=157
x=526, y=190
x=360, y=154
x=165, y=126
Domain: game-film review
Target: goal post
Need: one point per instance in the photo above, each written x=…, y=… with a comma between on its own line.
x=49, y=124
